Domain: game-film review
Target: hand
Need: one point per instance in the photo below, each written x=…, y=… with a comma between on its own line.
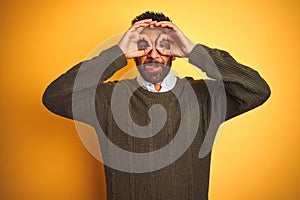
x=173, y=43
x=134, y=44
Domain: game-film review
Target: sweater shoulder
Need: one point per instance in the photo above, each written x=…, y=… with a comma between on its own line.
x=199, y=83
x=106, y=88
x=201, y=87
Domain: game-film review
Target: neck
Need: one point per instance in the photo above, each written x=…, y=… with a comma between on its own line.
x=157, y=86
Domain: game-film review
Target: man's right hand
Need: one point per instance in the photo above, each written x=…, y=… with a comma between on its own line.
x=134, y=44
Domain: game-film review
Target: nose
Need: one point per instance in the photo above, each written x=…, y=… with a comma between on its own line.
x=153, y=53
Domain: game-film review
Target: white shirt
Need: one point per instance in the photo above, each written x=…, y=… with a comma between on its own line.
x=166, y=85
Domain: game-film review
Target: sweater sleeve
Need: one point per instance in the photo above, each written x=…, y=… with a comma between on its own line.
x=245, y=89
x=82, y=80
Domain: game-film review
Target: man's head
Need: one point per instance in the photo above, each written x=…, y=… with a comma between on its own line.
x=153, y=66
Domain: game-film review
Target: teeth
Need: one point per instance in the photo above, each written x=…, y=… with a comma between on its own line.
x=153, y=64
x=152, y=67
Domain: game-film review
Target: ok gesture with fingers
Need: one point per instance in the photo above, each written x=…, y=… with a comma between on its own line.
x=134, y=44
x=174, y=42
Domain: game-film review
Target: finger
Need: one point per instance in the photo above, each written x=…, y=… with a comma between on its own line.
x=146, y=38
x=164, y=22
x=135, y=53
x=147, y=50
x=135, y=26
x=167, y=24
x=163, y=45
x=171, y=26
x=139, y=29
x=175, y=51
x=138, y=53
x=143, y=21
x=160, y=38
x=165, y=52
x=152, y=24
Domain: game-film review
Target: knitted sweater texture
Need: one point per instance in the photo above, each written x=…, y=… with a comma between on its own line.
x=188, y=176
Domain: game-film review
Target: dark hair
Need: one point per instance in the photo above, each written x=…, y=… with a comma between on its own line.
x=155, y=16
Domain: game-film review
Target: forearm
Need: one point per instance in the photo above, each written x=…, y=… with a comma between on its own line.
x=245, y=88
x=80, y=79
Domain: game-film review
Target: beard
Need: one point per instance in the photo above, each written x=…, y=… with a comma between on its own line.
x=153, y=71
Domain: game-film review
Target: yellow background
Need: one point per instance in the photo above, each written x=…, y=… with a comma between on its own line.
x=41, y=155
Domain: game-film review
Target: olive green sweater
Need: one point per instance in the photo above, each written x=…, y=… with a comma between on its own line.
x=188, y=176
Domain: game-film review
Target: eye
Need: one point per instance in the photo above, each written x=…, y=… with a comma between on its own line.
x=164, y=44
x=142, y=44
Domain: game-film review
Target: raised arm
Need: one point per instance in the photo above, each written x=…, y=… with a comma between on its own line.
x=58, y=95
x=245, y=88
x=76, y=89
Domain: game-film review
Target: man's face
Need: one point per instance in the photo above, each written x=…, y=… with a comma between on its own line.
x=154, y=66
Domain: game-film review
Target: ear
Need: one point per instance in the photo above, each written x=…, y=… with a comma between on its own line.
x=173, y=57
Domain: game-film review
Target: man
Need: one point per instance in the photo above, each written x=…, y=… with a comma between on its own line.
x=157, y=109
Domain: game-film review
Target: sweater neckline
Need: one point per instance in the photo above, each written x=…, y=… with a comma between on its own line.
x=178, y=87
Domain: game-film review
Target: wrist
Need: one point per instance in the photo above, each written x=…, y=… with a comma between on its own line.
x=190, y=49
x=121, y=47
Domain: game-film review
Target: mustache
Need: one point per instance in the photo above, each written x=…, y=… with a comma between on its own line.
x=154, y=62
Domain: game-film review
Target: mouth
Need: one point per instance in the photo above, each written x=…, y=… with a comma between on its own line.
x=153, y=71
x=152, y=66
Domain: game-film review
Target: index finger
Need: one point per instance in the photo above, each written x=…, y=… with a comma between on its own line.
x=167, y=24
x=143, y=21
x=163, y=45
x=144, y=37
x=135, y=27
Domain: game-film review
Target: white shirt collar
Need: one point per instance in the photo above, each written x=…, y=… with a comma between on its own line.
x=166, y=85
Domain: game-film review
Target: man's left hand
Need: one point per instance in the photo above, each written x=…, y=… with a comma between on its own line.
x=179, y=44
